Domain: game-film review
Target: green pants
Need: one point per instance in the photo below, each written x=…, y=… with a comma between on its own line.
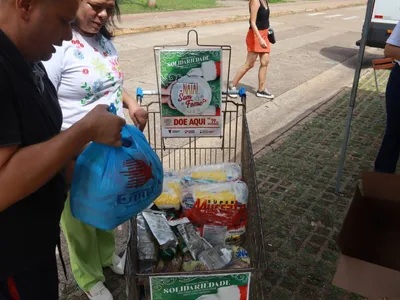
x=90, y=249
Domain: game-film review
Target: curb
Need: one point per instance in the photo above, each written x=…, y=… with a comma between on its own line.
x=126, y=31
x=272, y=141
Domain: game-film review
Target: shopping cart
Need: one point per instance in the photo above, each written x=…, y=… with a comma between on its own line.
x=233, y=145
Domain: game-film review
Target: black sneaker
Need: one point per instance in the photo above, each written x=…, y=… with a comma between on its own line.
x=265, y=94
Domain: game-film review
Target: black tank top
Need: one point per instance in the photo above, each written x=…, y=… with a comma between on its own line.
x=262, y=21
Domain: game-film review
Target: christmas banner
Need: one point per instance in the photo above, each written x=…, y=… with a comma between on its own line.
x=191, y=92
x=207, y=287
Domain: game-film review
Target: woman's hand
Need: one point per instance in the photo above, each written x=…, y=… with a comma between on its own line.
x=263, y=43
x=166, y=95
x=139, y=117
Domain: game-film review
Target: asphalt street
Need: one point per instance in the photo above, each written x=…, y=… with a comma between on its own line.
x=307, y=45
x=314, y=57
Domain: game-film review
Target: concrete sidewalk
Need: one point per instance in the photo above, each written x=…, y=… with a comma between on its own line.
x=236, y=11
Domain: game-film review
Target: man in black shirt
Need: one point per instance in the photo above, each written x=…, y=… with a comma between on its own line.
x=33, y=152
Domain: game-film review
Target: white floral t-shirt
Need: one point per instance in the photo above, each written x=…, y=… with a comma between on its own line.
x=85, y=72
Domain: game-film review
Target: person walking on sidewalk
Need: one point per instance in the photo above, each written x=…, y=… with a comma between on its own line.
x=85, y=72
x=33, y=152
x=258, y=45
x=388, y=155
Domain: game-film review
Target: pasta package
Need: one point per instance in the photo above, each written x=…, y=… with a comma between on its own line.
x=171, y=194
x=218, y=209
x=211, y=173
x=226, y=195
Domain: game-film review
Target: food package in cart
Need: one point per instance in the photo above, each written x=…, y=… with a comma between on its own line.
x=171, y=194
x=219, y=209
x=211, y=174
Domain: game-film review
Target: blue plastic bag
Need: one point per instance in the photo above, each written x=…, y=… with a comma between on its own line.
x=112, y=184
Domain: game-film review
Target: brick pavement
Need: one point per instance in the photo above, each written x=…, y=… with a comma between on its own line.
x=301, y=213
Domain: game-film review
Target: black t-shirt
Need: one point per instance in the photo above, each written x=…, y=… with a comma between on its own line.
x=29, y=114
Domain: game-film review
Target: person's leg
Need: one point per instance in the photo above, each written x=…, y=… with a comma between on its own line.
x=388, y=155
x=250, y=62
x=262, y=72
x=262, y=77
x=83, y=250
x=106, y=244
x=38, y=282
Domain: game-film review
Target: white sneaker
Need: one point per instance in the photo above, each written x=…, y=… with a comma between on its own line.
x=233, y=88
x=99, y=292
x=118, y=264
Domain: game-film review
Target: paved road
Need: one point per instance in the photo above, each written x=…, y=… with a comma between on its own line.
x=308, y=44
x=313, y=58
x=236, y=9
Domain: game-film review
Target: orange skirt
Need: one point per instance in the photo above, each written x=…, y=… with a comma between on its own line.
x=252, y=42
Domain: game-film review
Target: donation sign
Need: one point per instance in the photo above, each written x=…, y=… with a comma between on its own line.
x=207, y=287
x=191, y=92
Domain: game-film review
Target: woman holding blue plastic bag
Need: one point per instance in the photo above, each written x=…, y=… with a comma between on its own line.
x=85, y=71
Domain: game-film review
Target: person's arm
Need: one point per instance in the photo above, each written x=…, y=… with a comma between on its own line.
x=128, y=101
x=392, y=51
x=254, y=6
x=138, y=115
x=392, y=48
x=23, y=170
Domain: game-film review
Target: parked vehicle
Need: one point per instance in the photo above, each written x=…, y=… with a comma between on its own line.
x=386, y=14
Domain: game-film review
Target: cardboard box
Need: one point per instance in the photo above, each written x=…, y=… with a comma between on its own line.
x=370, y=239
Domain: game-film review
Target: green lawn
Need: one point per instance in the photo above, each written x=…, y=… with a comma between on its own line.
x=139, y=6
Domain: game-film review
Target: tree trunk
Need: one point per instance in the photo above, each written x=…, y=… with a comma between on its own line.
x=151, y=3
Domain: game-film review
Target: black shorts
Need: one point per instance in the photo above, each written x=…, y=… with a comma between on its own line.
x=36, y=283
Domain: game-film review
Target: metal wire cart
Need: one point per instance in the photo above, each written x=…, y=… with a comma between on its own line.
x=233, y=144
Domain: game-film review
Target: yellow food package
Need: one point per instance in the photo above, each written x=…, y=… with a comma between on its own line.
x=211, y=173
x=171, y=195
x=225, y=195
x=213, y=176
x=206, y=199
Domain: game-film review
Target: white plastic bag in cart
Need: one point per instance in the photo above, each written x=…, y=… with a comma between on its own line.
x=211, y=173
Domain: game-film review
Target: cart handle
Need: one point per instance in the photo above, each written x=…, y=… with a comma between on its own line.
x=140, y=93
